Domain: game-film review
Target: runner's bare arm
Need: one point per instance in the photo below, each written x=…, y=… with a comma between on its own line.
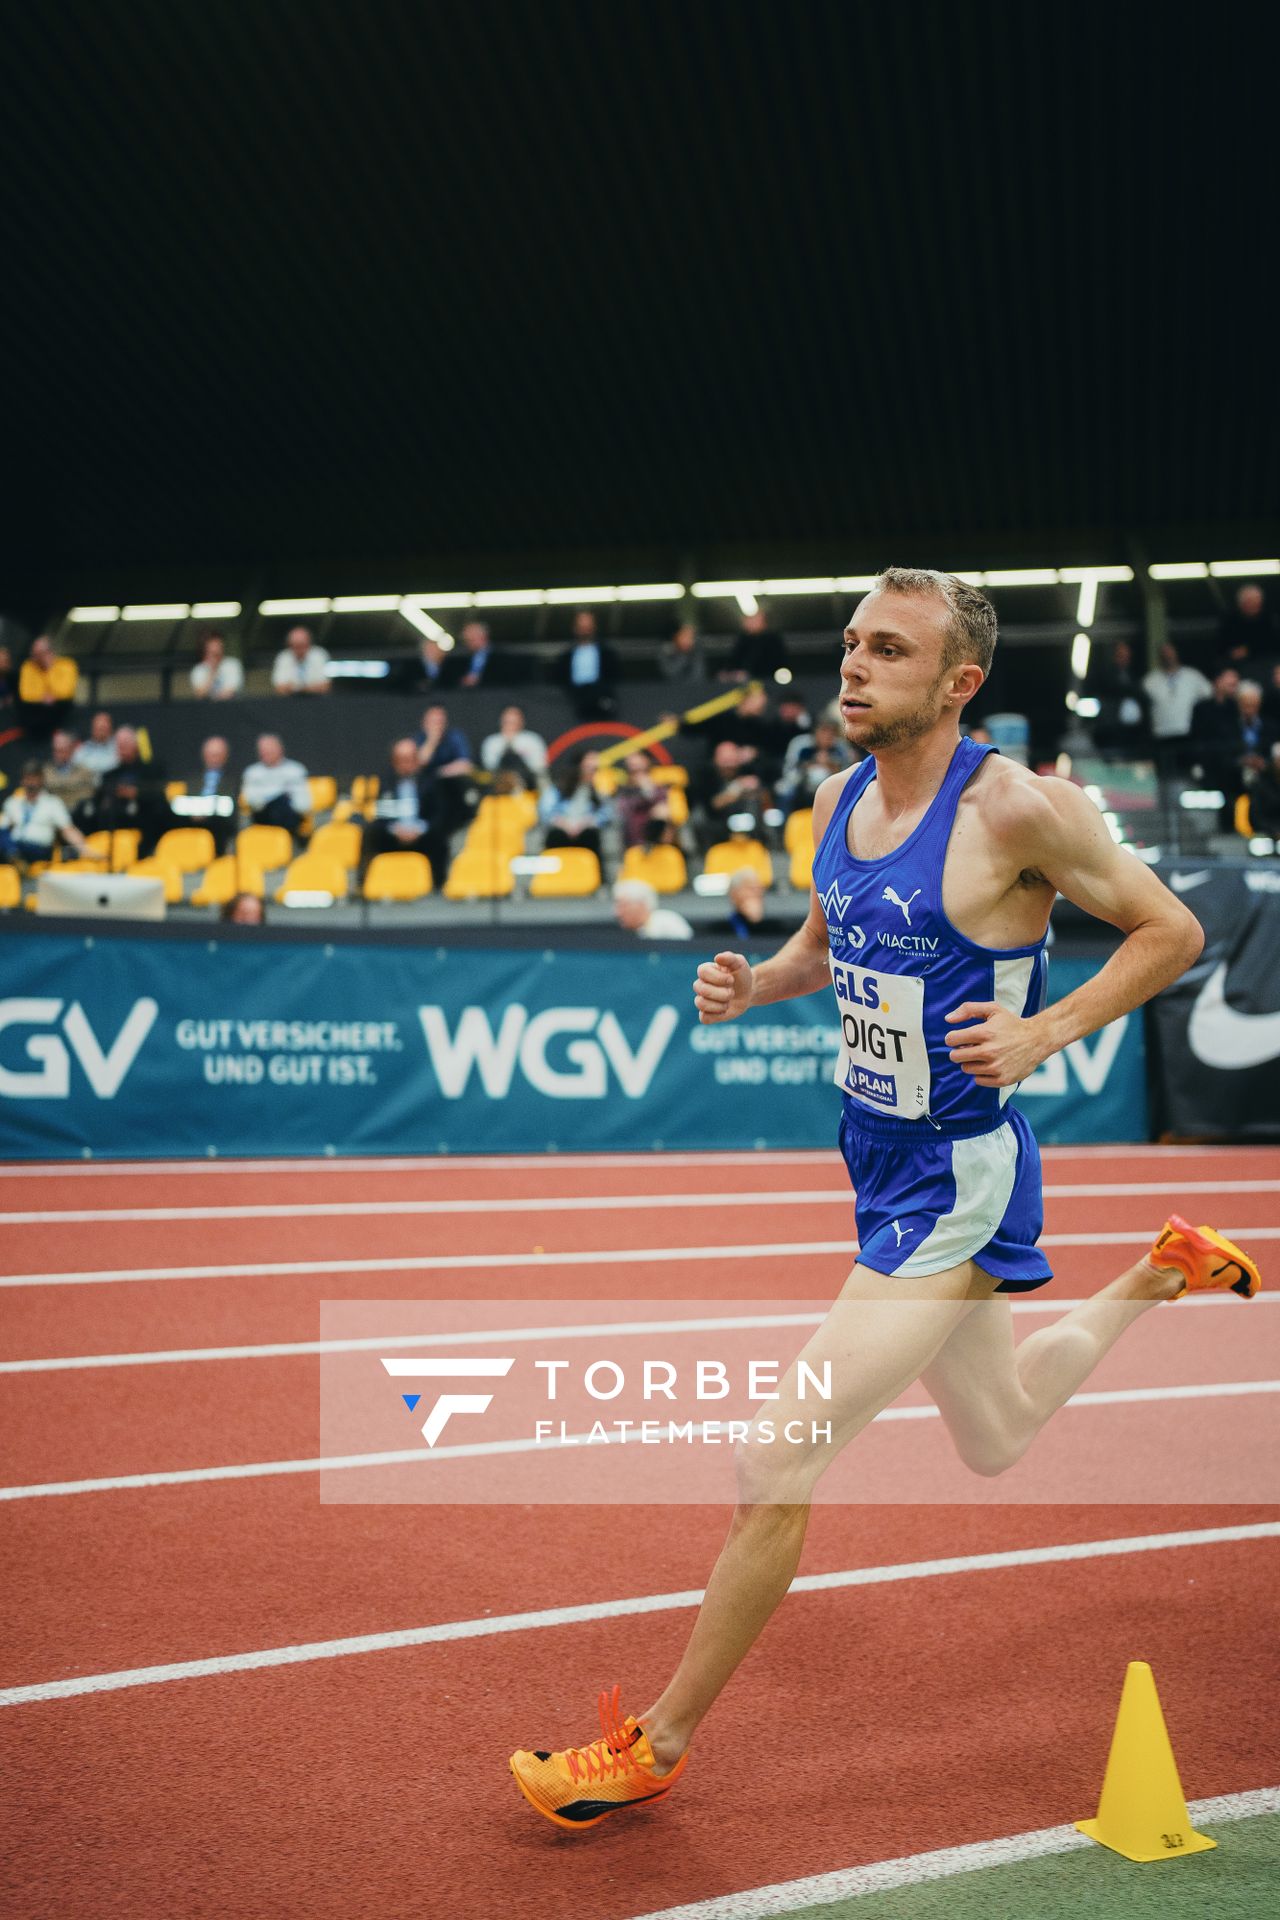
x=728, y=985
x=1054, y=832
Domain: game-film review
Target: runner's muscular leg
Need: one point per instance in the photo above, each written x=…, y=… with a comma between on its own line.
x=879, y=1336
x=995, y=1397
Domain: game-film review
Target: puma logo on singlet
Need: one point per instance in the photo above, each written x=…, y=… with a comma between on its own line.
x=902, y=1232
x=889, y=894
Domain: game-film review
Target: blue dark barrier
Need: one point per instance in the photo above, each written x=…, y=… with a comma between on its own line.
x=129, y=1046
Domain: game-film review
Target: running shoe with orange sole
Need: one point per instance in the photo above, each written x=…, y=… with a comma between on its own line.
x=1207, y=1260
x=583, y=1785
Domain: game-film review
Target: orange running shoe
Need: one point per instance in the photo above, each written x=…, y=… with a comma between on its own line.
x=1208, y=1261
x=584, y=1785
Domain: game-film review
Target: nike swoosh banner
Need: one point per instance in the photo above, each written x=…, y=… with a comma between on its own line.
x=1215, y=1034
x=163, y=1045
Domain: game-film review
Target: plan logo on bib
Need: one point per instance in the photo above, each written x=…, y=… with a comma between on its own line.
x=51, y=1053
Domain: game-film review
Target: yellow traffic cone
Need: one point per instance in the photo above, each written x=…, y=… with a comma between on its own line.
x=1142, y=1813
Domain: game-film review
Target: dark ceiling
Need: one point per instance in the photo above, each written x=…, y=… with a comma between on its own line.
x=303, y=291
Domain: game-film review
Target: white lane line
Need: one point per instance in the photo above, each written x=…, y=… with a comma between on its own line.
x=577, y=1203
x=913, y=1869
x=484, y=1449
x=618, y=1609
x=288, y=1349
x=275, y=1168
x=606, y=1257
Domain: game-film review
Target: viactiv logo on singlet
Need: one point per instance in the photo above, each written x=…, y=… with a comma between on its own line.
x=885, y=1060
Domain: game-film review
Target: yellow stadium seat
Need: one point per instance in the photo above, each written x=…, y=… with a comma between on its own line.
x=398, y=876
x=578, y=872
x=480, y=873
x=797, y=838
x=1240, y=818
x=343, y=810
x=728, y=856
x=324, y=791
x=339, y=839
x=607, y=781
x=677, y=807
x=503, y=814
x=120, y=847
x=527, y=803
x=364, y=792
x=266, y=848
x=672, y=776
x=175, y=789
x=189, y=849
x=662, y=867
x=10, y=887
x=224, y=879
x=158, y=869
x=314, y=873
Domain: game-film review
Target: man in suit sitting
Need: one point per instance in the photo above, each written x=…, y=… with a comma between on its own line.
x=410, y=816
x=214, y=782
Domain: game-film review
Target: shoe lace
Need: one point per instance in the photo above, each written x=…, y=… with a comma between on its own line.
x=611, y=1754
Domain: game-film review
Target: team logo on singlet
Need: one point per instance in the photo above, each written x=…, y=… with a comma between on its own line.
x=835, y=905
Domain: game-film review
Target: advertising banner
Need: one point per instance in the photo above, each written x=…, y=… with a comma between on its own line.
x=159, y=1047
x=1216, y=1032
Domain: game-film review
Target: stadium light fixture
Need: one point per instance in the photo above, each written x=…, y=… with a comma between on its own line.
x=783, y=676
x=1235, y=569
x=663, y=590
x=972, y=579
x=725, y=589
x=366, y=603
x=579, y=596
x=1073, y=576
x=1023, y=577
x=93, y=616
x=1080, y=650
x=439, y=600
x=215, y=610
x=170, y=610
x=1178, y=570
x=511, y=597
x=1087, y=603
x=825, y=583
x=855, y=582
x=271, y=607
x=430, y=629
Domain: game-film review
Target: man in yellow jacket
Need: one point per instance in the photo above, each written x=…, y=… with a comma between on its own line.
x=46, y=687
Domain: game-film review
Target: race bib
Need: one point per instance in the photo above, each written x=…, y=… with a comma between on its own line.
x=884, y=1060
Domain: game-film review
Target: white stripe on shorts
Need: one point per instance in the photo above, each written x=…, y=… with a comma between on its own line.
x=984, y=1170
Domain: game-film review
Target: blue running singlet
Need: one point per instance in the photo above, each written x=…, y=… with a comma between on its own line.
x=943, y=1172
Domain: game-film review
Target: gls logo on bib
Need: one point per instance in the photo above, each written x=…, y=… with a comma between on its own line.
x=522, y=1038
x=50, y=1078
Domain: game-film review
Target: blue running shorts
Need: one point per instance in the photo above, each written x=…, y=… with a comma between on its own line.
x=925, y=1203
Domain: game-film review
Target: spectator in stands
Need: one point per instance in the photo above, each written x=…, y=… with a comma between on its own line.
x=1215, y=732
x=810, y=758
x=515, y=748
x=246, y=910
x=642, y=805
x=758, y=652
x=753, y=724
x=8, y=681
x=746, y=919
x=98, y=752
x=300, y=666
x=409, y=814
x=1264, y=797
x=1247, y=637
x=635, y=907
x=444, y=752
x=1256, y=735
x=1114, y=681
x=214, y=782
x=1172, y=691
x=682, y=656
x=479, y=664
x=430, y=670
x=730, y=786
x=63, y=778
x=275, y=789
x=571, y=810
x=31, y=820
x=588, y=669
x=217, y=674
x=1271, y=697
x=46, y=688
x=130, y=795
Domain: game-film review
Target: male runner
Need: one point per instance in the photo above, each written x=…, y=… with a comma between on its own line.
x=937, y=864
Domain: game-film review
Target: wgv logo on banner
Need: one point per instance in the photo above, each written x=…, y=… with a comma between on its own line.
x=594, y=1043
x=50, y=1077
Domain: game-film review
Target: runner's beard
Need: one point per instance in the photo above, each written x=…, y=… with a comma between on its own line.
x=902, y=730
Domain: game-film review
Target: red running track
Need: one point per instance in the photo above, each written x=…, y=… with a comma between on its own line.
x=895, y=1718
